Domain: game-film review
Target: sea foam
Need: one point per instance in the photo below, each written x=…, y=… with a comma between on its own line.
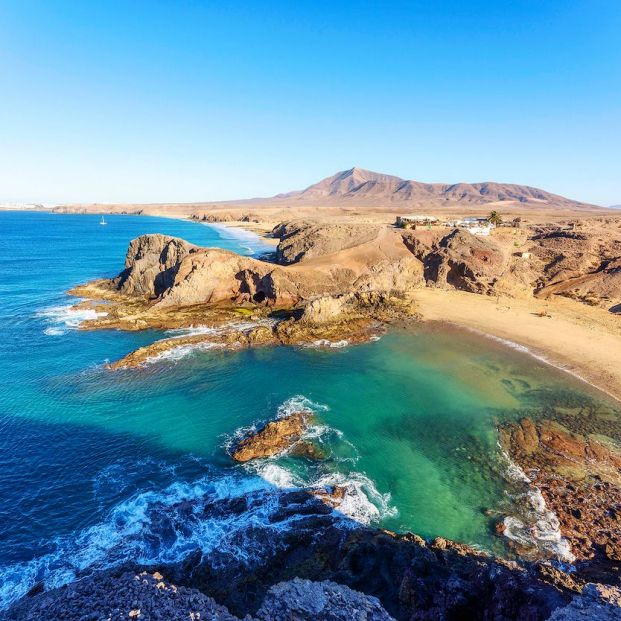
x=362, y=501
x=63, y=318
x=532, y=524
x=155, y=527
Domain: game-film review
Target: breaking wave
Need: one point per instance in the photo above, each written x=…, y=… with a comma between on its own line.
x=532, y=525
x=175, y=354
x=158, y=527
x=239, y=326
x=361, y=500
x=221, y=513
x=178, y=352
x=327, y=343
x=60, y=319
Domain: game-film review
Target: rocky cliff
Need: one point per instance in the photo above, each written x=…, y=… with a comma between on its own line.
x=378, y=573
x=341, y=281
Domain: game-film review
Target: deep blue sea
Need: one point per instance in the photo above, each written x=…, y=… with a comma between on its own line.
x=88, y=455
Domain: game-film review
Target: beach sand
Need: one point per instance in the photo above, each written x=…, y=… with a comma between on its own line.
x=580, y=339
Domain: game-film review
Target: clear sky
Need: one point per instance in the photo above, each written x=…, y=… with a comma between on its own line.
x=179, y=100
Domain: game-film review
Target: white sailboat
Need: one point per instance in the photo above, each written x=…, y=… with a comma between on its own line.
x=102, y=221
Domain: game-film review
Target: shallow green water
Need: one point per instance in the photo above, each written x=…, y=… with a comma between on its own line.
x=408, y=423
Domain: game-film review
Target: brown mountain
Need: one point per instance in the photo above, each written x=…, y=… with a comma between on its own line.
x=358, y=185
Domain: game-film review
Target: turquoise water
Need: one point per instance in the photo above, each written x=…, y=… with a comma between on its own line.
x=408, y=423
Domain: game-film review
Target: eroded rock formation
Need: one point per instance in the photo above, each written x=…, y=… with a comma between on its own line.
x=339, y=281
x=276, y=436
x=580, y=479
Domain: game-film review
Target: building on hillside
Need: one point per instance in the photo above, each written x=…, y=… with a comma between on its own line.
x=476, y=225
x=415, y=221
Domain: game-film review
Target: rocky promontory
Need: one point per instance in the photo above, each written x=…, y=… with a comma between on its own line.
x=337, y=281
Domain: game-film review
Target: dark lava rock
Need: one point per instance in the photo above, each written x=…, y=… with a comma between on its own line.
x=299, y=600
x=119, y=597
x=301, y=536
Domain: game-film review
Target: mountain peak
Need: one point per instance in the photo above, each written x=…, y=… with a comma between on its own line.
x=360, y=184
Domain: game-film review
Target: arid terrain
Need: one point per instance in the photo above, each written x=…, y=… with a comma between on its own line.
x=367, y=195
x=547, y=277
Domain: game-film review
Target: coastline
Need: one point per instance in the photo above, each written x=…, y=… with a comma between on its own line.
x=582, y=341
x=587, y=344
x=261, y=229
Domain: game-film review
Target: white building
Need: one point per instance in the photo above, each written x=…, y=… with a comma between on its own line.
x=476, y=225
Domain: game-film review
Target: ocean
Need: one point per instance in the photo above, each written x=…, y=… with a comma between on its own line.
x=90, y=459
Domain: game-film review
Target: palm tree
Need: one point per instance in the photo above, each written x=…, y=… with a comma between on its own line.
x=494, y=218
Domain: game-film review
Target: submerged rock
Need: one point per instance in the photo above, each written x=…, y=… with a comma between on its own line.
x=580, y=479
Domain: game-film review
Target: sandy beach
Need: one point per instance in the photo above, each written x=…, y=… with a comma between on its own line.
x=582, y=340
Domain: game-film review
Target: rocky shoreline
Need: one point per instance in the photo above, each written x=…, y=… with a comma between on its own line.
x=334, y=283
x=377, y=573
x=579, y=476
x=311, y=562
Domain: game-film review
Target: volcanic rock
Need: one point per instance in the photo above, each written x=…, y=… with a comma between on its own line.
x=580, y=480
x=597, y=602
x=151, y=264
x=275, y=437
x=463, y=261
x=298, y=600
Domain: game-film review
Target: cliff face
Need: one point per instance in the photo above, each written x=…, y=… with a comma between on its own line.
x=174, y=273
x=318, y=260
x=379, y=573
x=151, y=264
x=340, y=281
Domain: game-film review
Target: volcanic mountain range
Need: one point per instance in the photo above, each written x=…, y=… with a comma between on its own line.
x=360, y=185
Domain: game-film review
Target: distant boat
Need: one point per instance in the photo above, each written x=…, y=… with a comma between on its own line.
x=102, y=221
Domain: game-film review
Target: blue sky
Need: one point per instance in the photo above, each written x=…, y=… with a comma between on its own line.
x=166, y=100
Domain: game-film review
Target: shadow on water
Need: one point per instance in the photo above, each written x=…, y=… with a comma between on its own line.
x=233, y=535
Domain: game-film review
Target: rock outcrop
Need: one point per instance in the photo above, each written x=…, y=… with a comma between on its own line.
x=340, y=281
x=413, y=580
x=300, y=600
x=274, y=438
x=579, y=265
x=175, y=274
x=146, y=596
x=151, y=265
x=580, y=479
x=465, y=262
x=305, y=538
x=597, y=602
x=305, y=240
x=120, y=596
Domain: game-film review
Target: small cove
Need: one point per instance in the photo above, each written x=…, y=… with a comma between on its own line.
x=409, y=421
